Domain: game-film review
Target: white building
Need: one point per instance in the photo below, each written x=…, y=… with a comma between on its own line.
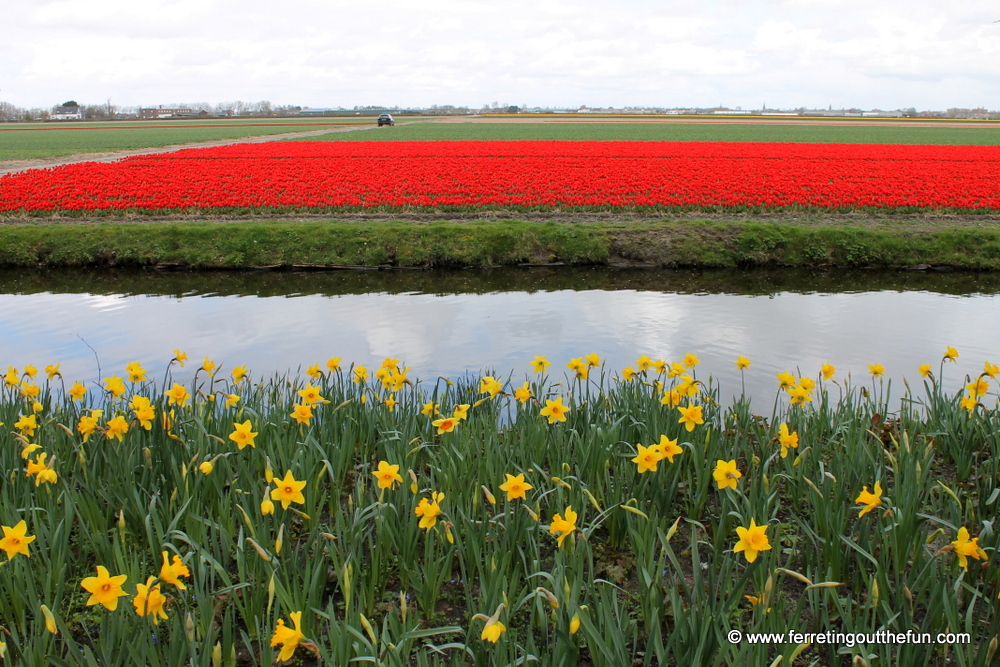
x=67, y=113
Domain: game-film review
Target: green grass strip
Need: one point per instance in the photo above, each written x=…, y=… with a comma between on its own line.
x=695, y=243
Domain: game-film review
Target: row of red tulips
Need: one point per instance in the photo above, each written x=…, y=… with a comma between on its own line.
x=535, y=174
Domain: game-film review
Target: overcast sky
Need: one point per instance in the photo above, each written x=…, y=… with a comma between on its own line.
x=887, y=54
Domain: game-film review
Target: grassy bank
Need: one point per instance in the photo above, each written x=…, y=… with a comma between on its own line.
x=676, y=243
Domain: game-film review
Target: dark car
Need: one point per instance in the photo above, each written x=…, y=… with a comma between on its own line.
x=385, y=119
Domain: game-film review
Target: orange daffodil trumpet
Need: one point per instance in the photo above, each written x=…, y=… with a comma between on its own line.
x=445, y=424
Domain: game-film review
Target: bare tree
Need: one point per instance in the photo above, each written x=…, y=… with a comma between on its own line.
x=10, y=112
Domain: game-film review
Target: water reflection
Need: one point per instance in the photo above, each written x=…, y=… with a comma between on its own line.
x=449, y=323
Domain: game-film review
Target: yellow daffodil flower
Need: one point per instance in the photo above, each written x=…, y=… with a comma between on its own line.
x=289, y=491
x=726, y=474
x=869, y=500
x=387, y=475
x=445, y=424
x=563, y=526
x=691, y=416
x=243, y=435
x=301, y=413
x=555, y=410
x=429, y=510
x=288, y=638
x=149, y=600
x=752, y=541
x=787, y=440
x=515, y=487
x=16, y=540
x=171, y=573
x=104, y=589
x=177, y=395
x=647, y=458
x=540, y=364
x=964, y=548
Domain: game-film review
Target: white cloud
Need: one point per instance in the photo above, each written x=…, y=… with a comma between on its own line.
x=548, y=52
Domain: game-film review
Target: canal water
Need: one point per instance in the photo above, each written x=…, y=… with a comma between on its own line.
x=452, y=323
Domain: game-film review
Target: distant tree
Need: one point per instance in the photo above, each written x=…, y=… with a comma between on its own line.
x=513, y=109
x=94, y=111
x=71, y=103
x=10, y=112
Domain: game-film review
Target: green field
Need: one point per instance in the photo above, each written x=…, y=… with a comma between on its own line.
x=26, y=141
x=872, y=133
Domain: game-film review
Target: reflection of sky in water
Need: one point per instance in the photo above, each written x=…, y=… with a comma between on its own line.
x=452, y=334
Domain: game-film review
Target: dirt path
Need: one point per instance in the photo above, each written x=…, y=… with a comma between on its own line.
x=14, y=166
x=638, y=220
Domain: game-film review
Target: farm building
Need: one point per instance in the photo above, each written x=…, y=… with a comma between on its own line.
x=160, y=112
x=67, y=113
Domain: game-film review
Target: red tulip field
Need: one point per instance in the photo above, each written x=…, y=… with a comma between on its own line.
x=538, y=175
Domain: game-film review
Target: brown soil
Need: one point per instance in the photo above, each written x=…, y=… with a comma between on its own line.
x=912, y=223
